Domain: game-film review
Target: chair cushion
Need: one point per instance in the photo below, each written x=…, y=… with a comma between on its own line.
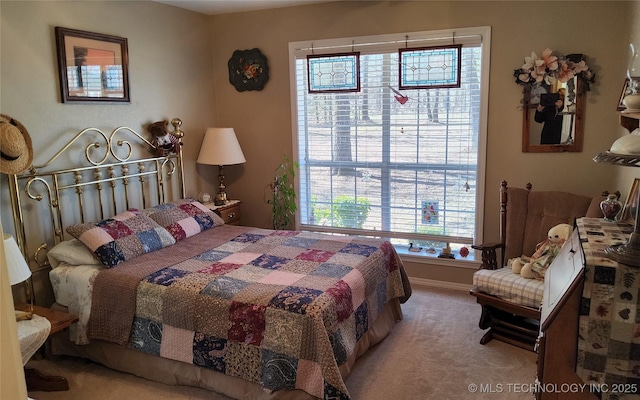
x=503, y=283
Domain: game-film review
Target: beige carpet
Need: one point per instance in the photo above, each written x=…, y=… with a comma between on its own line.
x=434, y=353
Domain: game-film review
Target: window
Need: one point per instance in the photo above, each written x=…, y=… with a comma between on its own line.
x=407, y=165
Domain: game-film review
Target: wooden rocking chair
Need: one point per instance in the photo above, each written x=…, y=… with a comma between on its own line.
x=511, y=303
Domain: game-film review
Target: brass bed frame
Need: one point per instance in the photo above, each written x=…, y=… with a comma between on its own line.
x=116, y=174
x=112, y=178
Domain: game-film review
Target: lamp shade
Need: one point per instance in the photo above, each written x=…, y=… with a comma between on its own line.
x=220, y=147
x=18, y=269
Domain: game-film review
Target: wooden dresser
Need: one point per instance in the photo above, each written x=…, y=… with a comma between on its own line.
x=589, y=338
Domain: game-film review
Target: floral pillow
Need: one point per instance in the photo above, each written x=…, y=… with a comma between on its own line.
x=184, y=218
x=122, y=237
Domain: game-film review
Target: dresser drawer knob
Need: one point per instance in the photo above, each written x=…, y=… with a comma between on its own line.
x=232, y=215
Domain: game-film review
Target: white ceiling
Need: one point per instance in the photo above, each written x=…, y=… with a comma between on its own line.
x=213, y=7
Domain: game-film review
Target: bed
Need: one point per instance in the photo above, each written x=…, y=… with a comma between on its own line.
x=165, y=290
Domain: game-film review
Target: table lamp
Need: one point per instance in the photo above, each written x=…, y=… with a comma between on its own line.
x=220, y=147
x=18, y=269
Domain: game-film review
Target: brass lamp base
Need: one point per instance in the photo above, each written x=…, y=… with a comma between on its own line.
x=221, y=199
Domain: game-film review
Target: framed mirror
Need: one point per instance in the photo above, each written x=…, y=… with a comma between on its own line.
x=92, y=67
x=553, y=117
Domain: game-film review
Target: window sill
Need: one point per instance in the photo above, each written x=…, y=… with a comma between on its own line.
x=423, y=257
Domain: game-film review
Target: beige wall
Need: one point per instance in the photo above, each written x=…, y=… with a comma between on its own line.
x=178, y=67
x=263, y=119
x=169, y=65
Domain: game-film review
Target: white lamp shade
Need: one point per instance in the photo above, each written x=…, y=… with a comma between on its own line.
x=220, y=147
x=16, y=265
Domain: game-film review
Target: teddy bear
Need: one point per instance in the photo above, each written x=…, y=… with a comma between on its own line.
x=536, y=265
x=163, y=142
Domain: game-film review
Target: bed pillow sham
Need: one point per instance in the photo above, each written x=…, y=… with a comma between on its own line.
x=184, y=218
x=122, y=237
x=72, y=253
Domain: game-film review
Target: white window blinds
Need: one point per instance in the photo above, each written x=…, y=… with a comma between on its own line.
x=403, y=164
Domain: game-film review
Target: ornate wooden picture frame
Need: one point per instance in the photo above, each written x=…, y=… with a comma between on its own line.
x=93, y=67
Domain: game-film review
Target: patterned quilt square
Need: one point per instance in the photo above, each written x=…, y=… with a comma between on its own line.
x=317, y=282
x=247, y=238
x=358, y=286
x=232, y=247
x=150, y=240
x=224, y=287
x=118, y=229
x=295, y=299
x=328, y=245
x=146, y=336
x=258, y=294
x=192, y=265
x=260, y=247
x=269, y=262
x=209, y=352
x=341, y=293
x=213, y=255
x=244, y=361
x=149, y=301
x=339, y=349
x=281, y=278
x=360, y=249
x=300, y=266
x=298, y=241
x=315, y=255
x=331, y=269
x=348, y=259
x=209, y=318
x=362, y=320
x=166, y=276
x=310, y=378
x=219, y=268
x=248, y=273
x=241, y=258
x=247, y=323
x=177, y=344
x=193, y=282
x=278, y=370
x=284, y=332
x=290, y=252
x=183, y=309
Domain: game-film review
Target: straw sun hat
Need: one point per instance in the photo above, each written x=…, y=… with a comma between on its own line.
x=16, y=153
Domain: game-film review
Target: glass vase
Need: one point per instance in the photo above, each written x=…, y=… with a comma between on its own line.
x=610, y=207
x=633, y=70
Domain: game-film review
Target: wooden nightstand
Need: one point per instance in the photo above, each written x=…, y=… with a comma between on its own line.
x=59, y=320
x=230, y=212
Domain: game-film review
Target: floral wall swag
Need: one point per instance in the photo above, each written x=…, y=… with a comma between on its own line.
x=551, y=67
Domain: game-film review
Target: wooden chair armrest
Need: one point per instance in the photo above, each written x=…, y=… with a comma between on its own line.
x=489, y=255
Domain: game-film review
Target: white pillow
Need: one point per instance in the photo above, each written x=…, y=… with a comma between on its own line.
x=72, y=252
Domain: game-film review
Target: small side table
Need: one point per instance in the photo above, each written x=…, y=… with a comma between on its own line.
x=57, y=320
x=229, y=212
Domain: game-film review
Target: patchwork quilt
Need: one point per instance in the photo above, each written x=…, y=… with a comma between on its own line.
x=282, y=309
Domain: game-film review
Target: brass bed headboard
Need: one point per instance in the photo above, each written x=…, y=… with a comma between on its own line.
x=116, y=174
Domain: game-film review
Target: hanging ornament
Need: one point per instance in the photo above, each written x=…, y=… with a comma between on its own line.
x=400, y=98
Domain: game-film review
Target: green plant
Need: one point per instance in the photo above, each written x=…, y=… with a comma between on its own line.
x=283, y=200
x=350, y=212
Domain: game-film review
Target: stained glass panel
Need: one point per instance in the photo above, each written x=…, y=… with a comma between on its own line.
x=334, y=72
x=430, y=67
